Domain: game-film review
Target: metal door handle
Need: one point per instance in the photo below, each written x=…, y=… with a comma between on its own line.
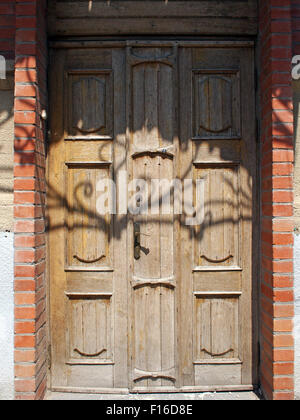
x=137, y=241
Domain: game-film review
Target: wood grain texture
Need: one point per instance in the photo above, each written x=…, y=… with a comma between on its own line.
x=151, y=108
x=89, y=286
x=180, y=316
x=214, y=17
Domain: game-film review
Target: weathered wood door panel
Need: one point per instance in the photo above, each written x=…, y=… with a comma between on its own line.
x=88, y=279
x=217, y=146
x=144, y=299
x=151, y=112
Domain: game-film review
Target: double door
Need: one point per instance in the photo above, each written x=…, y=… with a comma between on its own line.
x=150, y=195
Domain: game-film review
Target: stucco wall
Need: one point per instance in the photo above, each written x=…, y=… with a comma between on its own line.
x=296, y=88
x=6, y=154
x=6, y=239
x=6, y=316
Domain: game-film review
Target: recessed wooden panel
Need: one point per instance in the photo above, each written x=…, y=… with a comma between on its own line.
x=225, y=281
x=152, y=100
x=154, y=332
x=216, y=328
x=217, y=238
x=226, y=374
x=90, y=104
x=216, y=104
x=217, y=151
x=89, y=241
x=90, y=329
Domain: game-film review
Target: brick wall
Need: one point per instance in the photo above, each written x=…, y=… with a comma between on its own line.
x=296, y=91
x=277, y=299
x=7, y=28
x=29, y=172
x=296, y=26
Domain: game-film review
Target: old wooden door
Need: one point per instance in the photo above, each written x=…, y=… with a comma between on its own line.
x=151, y=295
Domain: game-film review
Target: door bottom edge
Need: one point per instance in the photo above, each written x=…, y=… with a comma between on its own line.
x=127, y=391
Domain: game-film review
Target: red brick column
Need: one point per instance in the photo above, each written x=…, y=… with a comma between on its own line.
x=296, y=26
x=7, y=28
x=277, y=298
x=29, y=198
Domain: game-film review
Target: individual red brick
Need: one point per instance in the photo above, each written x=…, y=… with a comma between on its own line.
x=26, y=197
x=282, y=104
x=25, y=298
x=283, y=296
x=283, y=340
x=285, y=182
x=25, y=62
x=24, y=356
x=283, y=142
x=282, y=169
x=283, y=196
x=26, y=36
x=25, y=145
x=25, y=226
x=26, y=22
x=25, y=371
x=25, y=327
x=282, y=225
x=26, y=104
x=26, y=385
x=24, y=341
x=25, y=271
x=283, y=355
x=24, y=285
x=25, y=90
x=27, y=212
x=23, y=313
x=26, y=49
x=25, y=131
x=282, y=281
x=28, y=184
x=283, y=325
x=284, y=383
x=281, y=40
x=25, y=76
x=283, y=239
x=282, y=116
x=282, y=252
x=284, y=396
x=283, y=266
x=27, y=117
x=283, y=156
x=22, y=241
x=24, y=158
x=283, y=368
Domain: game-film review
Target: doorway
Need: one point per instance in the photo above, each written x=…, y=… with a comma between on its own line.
x=154, y=295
